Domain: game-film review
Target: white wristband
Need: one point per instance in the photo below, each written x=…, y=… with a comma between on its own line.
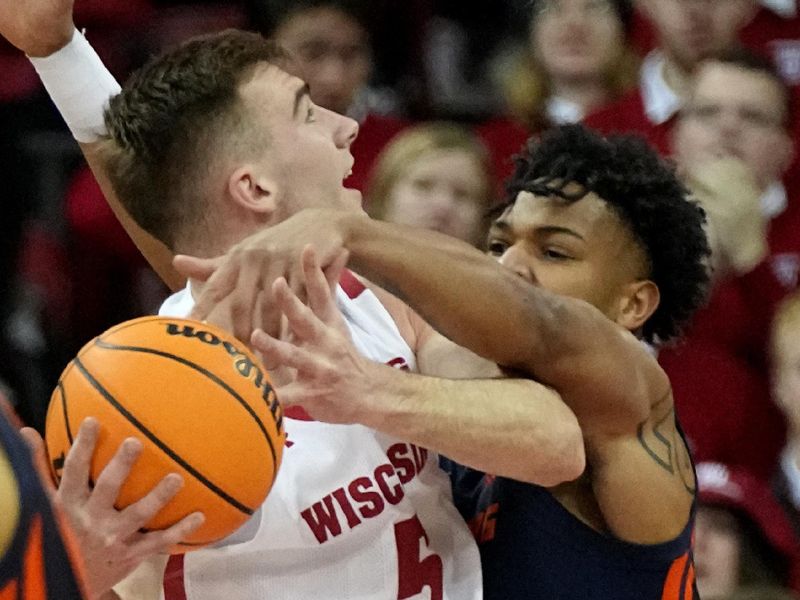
x=79, y=85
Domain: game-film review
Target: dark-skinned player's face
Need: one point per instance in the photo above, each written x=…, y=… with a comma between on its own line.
x=580, y=249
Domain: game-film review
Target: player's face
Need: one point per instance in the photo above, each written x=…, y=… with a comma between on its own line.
x=693, y=30
x=330, y=52
x=716, y=552
x=308, y=154
x=443, y=190
x=576, y=38
x=735, y=112
x=582, y=249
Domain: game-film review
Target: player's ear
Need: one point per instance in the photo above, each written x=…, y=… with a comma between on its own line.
x=252, y=190
x=637, y=304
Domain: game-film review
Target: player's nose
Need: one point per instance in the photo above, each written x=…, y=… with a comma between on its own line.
x=515, y=259
x=346, y=132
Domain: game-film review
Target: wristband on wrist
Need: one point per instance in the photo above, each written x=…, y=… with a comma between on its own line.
x=79, y=85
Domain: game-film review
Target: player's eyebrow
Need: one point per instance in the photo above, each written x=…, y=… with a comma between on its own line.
x=299, y=94
x=503, y=226
x=551, y=229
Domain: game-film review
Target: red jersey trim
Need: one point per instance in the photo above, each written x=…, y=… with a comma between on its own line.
x=174, y=586
x=351, y=285
x=298, y=413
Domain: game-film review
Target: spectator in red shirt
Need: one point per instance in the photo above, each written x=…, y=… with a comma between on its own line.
x=688, y=33
x=733, y=145
x=578, y=59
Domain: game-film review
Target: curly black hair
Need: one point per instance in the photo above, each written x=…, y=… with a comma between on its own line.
x=644, y=192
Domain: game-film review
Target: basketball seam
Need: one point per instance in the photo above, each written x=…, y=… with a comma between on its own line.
x=207, y=373
x=152, y=437
x=64, y=410
x=136, y=322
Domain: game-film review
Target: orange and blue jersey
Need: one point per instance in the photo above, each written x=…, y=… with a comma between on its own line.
x=532, y=547
x=36, y=564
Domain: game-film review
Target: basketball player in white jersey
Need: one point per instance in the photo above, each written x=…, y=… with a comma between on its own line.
x=206, y=145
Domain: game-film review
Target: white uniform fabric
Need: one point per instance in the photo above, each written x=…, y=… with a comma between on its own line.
x=354, y=514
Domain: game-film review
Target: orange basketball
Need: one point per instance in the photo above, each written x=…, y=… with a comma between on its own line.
x=199, y=402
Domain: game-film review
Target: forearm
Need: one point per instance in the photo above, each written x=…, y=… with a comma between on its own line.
x=513, y=428
x=463, y=293
x=562, y=342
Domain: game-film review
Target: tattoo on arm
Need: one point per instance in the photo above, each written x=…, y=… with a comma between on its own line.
x=659, y=437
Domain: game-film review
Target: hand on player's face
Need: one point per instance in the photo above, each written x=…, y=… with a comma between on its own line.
x=330, y=376
x=110, y=541
x=238, y=285
x=37, y=27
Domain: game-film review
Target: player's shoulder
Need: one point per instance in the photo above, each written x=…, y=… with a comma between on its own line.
x=408, y=322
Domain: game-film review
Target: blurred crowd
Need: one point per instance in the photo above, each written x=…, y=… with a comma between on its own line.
x=446, y=93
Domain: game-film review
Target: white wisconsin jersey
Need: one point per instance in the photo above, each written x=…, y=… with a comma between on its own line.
x=354, y=514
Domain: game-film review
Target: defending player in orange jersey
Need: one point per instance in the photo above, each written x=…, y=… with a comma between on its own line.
x=600, y=253
x=36, y=562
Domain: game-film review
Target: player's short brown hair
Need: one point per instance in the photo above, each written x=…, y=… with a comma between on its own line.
x=173, y=118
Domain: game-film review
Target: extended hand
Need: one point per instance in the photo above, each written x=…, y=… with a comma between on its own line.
x=237, y=291
x=110, y=541
x=37, y=27
x=332, y=381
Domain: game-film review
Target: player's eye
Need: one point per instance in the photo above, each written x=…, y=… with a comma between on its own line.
x=496, y=247
x=555, y=254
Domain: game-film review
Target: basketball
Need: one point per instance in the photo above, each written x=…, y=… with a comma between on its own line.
x=198, y=401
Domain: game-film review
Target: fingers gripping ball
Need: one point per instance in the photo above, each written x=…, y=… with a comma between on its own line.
x=200, y=404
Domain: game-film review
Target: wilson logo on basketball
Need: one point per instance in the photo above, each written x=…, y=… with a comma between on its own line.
x=241, y=362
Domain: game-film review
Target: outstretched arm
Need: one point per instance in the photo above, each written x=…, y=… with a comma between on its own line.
x=511, y=427
x=80, y=86
x=641, y=474
x=562, y=342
